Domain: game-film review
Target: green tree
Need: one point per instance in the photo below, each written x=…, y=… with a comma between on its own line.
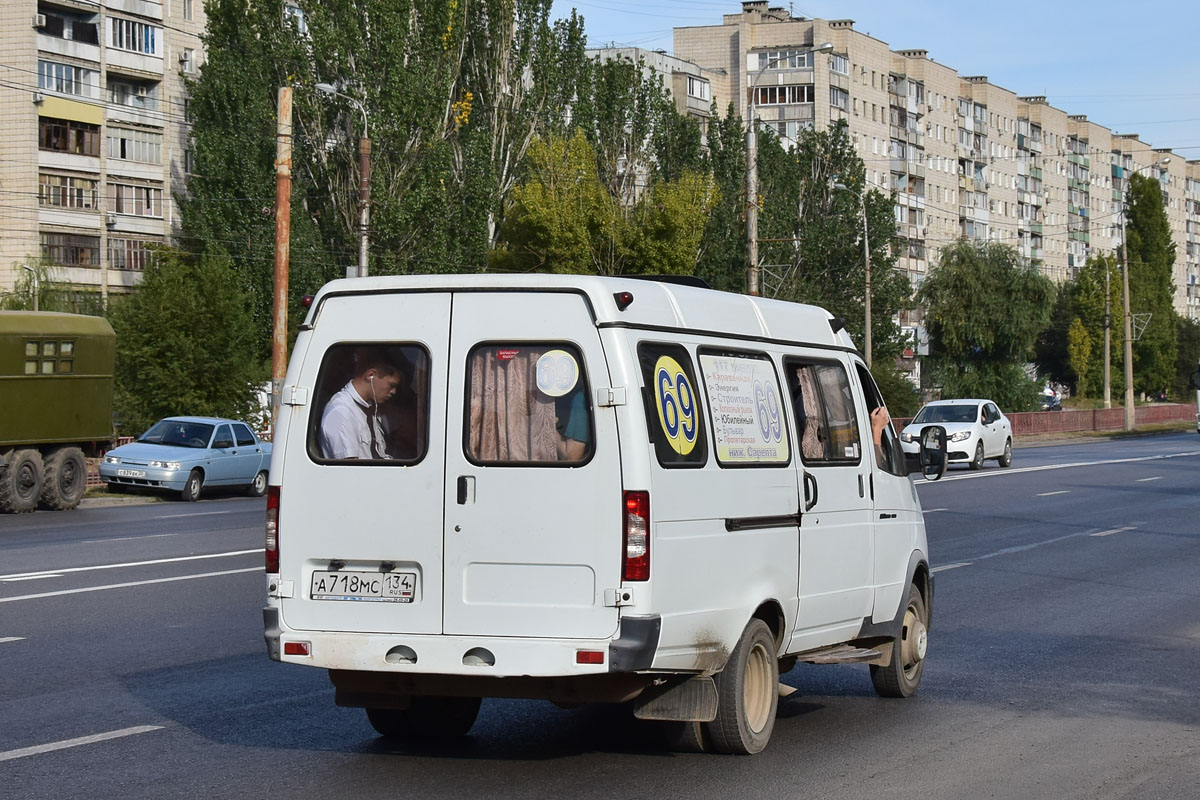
x=1079, y=350
x=722, y=258
x=41, y=278
x=1188, y=337
x=185, y=343
x=1151, y=256
x=1083, y=298
x=984, y=310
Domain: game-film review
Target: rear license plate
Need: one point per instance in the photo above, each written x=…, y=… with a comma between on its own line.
x=131, y=473
x=372, y=587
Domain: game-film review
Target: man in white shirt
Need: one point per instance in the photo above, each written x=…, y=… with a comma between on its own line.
x=351, y=426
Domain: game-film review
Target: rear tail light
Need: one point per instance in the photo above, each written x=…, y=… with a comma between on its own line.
x=272, y=529
x=637, y=536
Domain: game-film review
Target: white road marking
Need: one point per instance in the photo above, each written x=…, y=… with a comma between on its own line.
x=9, y=755
x=56, y=572
x=129, y=538
x=1144, y=480
x=1051, y=494
x=8, y=639
x=1115, y=530
x=196, y=514
x=951, y=566
x=126, y=585
x=31, y=577
x=1019, y=470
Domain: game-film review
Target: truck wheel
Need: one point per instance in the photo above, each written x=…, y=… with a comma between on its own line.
x=747, y=694
x=258, y=487
x=191, y=489
x=65, y=479
x=427, y=717
x=902, y=677
x=21, y=482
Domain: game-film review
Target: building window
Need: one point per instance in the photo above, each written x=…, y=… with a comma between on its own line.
x=69, y=250
x=62, y=24
x=698, y=89
x=140, y=201
x=135, y=95
x=187, y=9
x=783, y=95
x=782, y=59
x=189, y=60
x=68, y=79
x=839, y=64
x=839, y=98
x=295, y=14
x=136, y=37
x=131, y=254
x=67, y=192
x=135, y=145
x=66, y=136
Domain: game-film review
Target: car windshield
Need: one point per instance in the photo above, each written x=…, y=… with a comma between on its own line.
x=178, y=434
x=961, y=413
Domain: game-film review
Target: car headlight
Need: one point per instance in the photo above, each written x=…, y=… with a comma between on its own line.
x=111, y=460
x=907, y=437
x=958, y=437
x=165, y=464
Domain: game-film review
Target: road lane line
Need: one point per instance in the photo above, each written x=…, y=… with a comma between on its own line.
x=196, y=514
x=8, y=639
x=9, y=755
x=1044, y=467
x=1115, y=530
x=127, y=585
x=55, y=572
x=935, y=510
x=951, y=566
x=1051, y=494
x=1144, y=480
x=31, y=577
x=129, y=538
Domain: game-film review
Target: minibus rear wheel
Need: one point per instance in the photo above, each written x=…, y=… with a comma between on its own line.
x=747, y=694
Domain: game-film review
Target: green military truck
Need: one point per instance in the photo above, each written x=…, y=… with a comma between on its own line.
x=56, y=390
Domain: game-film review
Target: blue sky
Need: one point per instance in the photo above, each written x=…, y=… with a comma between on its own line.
x=1139, y=74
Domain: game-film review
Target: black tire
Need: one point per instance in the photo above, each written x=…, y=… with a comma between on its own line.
x=977, y=461
x=191, y=489
x=682, y=737
x=21, y=482
x=258, y=486
x=902, y=677
x=65, y=481
x=427, y=718
x=1005, y=460
x=747, y=694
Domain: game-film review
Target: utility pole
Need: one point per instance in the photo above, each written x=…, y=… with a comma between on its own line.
x=867, y=274
x=1128, y=351
x=1107, y=339
x=283, y=204
x=364, y=198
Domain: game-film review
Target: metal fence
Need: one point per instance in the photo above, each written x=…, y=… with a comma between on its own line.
x=1034, y=423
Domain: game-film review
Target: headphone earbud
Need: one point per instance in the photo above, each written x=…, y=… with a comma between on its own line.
x=371, y=378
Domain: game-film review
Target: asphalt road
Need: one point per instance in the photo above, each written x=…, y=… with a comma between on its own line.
x=1063, y=664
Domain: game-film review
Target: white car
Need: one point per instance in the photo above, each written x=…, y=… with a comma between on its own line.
x=975, y=430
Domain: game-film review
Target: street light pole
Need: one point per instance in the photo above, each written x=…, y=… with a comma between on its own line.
x=862, y=200
x=1107, y=339
x=1128, y=351
x=36, y=287
x=753, y=269
x=364, y=177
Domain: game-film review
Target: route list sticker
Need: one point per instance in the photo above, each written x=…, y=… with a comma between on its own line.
x=747, y=413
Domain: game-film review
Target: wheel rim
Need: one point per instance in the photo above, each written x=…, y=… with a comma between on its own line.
x=979, y=454
x=26, y=481
x=914, y=640
x=1008, y=451
x=69, y=476
x=758, y=688
x=260, y=482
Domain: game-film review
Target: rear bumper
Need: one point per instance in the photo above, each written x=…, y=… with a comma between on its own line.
x=473, y=656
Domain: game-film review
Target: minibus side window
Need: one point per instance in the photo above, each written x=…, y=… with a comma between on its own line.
x=748, y=419
x=371, y=405
x=890, y=456
x=826, y=425
x=673, y=414
x=527, y=405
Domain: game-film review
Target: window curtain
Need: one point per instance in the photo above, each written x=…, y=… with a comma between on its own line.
x=510, y=420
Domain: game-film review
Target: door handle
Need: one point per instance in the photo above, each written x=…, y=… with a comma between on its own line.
x=466, y=489
x=810, y=500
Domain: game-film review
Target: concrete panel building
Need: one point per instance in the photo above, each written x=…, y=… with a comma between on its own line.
x=93, y=134
x=964, y=157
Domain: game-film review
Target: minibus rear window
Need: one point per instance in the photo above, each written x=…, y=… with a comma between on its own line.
x=527, y=405
x=371, y=405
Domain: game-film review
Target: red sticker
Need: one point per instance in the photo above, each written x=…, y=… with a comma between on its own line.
x=507, y=355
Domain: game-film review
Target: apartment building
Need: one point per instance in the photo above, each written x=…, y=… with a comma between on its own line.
x=93, y=135
x=690, y=86
x=964, y=157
